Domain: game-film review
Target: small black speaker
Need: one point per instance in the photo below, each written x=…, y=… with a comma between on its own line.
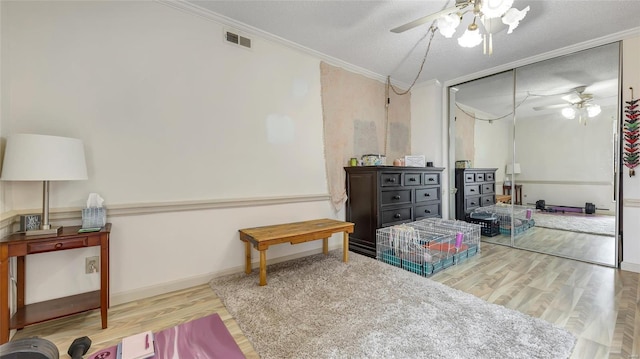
x=540, y=204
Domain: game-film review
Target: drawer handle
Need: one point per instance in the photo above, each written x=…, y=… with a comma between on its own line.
x=473, y=203
x=412, y=179
x=471, y=190
x=427, y=195
x=391, y=179
x=396, y=197
x=397, y=215
x=58, y=245
x=431, y=180
x=427, y=211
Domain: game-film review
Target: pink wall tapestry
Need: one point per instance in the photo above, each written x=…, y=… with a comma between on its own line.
x=358, y=122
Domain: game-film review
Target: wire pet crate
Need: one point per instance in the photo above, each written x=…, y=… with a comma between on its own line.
x=426, y=247
x=467, y=235
x=522, y=217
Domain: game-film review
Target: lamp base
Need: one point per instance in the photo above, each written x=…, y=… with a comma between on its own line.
x=43, y=232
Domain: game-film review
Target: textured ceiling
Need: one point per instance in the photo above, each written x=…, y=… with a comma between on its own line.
x=358, y=32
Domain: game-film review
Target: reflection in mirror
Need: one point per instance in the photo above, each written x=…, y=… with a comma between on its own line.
x=555, y=159
x=566, y=144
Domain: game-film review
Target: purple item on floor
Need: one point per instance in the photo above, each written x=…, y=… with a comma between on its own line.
x=204, y=338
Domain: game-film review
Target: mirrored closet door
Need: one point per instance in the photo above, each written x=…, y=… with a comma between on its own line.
x=550, y=131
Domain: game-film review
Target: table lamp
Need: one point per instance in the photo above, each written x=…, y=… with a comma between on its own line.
x=30, y=157
x=512, y=169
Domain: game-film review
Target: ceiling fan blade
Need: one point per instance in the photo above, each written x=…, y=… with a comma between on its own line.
x=572, y=97
x=551, y=107
x=423, y=20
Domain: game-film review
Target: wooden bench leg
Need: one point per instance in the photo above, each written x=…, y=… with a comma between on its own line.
x=325, y=246
x=263, y=267
x=345, y=248
x=247, y=257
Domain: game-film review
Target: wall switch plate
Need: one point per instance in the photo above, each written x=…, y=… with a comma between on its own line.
x=92, y=265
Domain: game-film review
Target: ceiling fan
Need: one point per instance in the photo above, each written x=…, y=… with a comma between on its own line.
x=578, y=103
x=486, y=11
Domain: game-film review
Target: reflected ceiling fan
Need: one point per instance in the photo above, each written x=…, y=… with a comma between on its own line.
x=487, y=12
x=578, y=104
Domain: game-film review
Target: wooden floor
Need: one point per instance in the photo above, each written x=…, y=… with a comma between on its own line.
x=600, y=305
x=582, y=246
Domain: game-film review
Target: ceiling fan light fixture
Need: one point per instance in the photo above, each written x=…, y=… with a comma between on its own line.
x=513, y=17
x=447, y=24
x=569, y=113
x=470, y=38
x=593, y=110
x=495, y=8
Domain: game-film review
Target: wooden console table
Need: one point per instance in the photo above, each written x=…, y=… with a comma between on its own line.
x=294, y=233
x=18, y=245
x=506, y=189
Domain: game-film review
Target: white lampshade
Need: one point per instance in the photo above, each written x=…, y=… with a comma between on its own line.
x=447, y=24
x=31, y=157
x=594, y=110
x=495, y=8
x=512, y=168
x=569, y=113
x=513, y=17
x=43, y=158
x=470, y=38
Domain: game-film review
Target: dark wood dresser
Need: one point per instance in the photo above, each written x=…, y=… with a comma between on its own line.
x=476, y=188
x=382, y=196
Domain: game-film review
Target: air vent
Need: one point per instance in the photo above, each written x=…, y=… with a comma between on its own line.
x=237, y=39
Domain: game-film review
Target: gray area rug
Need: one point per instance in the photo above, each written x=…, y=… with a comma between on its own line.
x=593, y=224
x=320, y=307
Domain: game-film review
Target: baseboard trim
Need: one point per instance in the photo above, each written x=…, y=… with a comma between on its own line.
x=630, y=267
x=167, y=287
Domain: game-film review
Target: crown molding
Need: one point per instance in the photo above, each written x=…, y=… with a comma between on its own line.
x=618, y=36
x=193, y=9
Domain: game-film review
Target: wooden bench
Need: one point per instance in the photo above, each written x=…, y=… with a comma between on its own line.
x=298, y=232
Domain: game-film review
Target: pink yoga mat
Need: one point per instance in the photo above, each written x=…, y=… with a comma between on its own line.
x=205, y=338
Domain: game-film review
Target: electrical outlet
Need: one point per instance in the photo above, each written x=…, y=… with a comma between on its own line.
x=92, y=265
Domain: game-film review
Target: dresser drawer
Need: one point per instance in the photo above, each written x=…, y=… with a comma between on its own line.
x=431, y=178
x=412, y=179
x=487, y=200
x=480, y=177
x=430, y=210
x=56, y=245
x=427, y=194
x=396, y=197
x=390, y=179
x=391, y=216
x=488, y=188
x=469, y=177
x=471, y=203
x=471, y=190
x=489, y=177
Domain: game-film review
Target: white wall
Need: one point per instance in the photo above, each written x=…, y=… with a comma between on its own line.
x=169, y=113
x=631, y=185
x=427, y=130
x=496, y=152
x=566, y=163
